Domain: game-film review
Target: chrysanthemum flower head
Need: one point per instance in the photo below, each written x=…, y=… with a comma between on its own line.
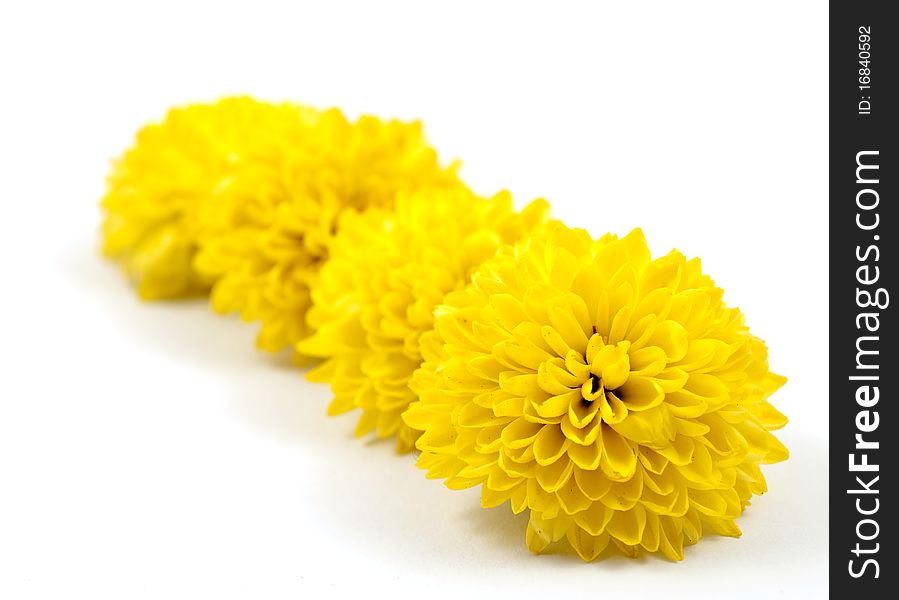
x=615, y=397
x=161, y=193
x=282, y=213
x=376, y=294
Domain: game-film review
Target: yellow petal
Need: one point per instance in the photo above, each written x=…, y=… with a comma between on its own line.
x=623, y=495
x=553, y=476
x=686, y=405
x=586, y=436
x=716, y=503
x=555, y=340
x=585, y=457
x=567, y=326
x=651, y=533
x=647, y=362
x=593, y=483
x=520, y=433
x=620, y=324
x=641, y=393
x=537, y=537
x=581, y=413
x=611, y=408
x=475, y=416
x=767, y=415
x=703, y=353
x=518, y=385
x=564, y=268
x=486, y=367
x=554, y=378
x=664, y=272
x=594, y=346
x=672, y=338
x=571, y=498
x=556, y=406
x=627, y=526
x=672, y=379
x=595, y=519
x=652, y=461
x=575, y=365
x=549, y=444
x=680, y=452
x=671, y=539
x=654, y=427
x=587, y=546
x=707, y=387
x=619, y=460
x=773, y=382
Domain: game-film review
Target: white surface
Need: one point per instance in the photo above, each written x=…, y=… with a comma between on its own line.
x=147, y=451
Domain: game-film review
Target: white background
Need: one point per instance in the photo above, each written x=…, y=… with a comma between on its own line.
x=148, y=451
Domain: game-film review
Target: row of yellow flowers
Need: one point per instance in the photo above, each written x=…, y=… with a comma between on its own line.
x=612, y=395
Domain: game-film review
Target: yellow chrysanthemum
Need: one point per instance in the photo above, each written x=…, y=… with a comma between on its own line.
x=377, y=293
x=282, y=212
x=162, y=193
x=614, y=396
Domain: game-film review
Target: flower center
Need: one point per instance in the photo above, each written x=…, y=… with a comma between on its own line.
x=592, y=388
x=607, y=368
x=594, y=384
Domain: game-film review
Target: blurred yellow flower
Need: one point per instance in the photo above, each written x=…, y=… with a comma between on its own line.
x=613, y=396
x=376, y=294
x=162, y=193
x=282, y=211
